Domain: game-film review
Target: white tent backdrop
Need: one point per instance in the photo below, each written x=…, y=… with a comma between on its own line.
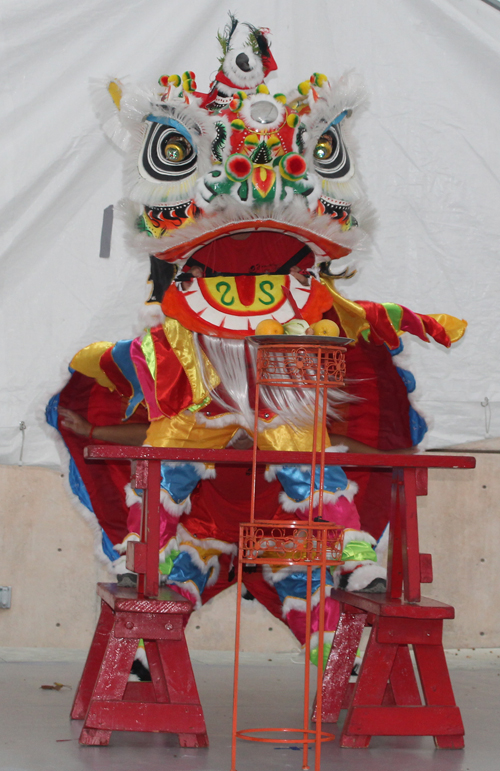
x=429, y=154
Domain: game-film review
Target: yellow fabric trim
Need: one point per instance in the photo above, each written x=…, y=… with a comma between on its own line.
x=184, y=431
x=352, y=316
x=286, y=438
x=181, y=340
x=87, y=361
x=148, y=350
x=453, y=326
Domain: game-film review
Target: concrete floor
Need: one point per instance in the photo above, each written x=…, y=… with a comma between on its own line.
x=36, y=734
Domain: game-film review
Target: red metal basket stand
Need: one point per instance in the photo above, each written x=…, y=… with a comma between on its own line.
x=310, y=544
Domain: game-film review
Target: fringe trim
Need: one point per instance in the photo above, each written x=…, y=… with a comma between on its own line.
x=191, y=588
x=290, y=505
x=208, y=543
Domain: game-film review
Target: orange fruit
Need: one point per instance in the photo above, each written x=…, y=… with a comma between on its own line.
x=326, y=327
x=269, y=327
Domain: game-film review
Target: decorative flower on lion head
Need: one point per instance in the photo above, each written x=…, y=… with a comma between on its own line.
x=205, y=173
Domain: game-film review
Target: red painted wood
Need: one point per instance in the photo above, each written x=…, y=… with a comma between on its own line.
x=146, y=716
x=121, y=452
x=370, y=687
x=339, y=665
x=156, y=671
x=178, y=672
x=404, y=721
x=152, y=626
x=426, y=576
x=379, y=605
x=93, y=663
x=421, y=479
x=394, y=554
x=434, y=677
x=139, y=691
x=409, y=630
x=121, y=598
x=136, y=557
x=151, y=524
x=141, y=475
x=110, y=684
x=409, y=535
x=403, y=680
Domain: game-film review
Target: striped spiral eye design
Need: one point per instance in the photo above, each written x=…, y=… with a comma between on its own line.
x=331, y=159
x=168, y=155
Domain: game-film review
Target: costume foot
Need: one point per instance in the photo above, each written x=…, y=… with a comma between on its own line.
x=127, y=580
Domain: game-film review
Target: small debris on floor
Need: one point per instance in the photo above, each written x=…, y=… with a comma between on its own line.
x=55, y=687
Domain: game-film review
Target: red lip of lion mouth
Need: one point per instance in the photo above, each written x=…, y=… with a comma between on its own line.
x=210, y=244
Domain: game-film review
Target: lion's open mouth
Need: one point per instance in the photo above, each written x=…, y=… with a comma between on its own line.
x=254, y=246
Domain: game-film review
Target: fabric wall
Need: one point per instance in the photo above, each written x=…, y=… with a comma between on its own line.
x=428, y=152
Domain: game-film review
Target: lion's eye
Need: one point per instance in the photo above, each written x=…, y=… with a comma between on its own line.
x=324, y=148
x=176, y=148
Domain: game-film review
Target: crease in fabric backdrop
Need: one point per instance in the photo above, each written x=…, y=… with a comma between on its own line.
x=427, y=151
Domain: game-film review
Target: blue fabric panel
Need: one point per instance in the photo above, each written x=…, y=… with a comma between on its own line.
x=179, y=481
x=408, y=379
x=418, y=426
x=297, y=483
x=121, y=357
x=51, y=411
x=295, y=584
x=107, y=548
x=185, y=570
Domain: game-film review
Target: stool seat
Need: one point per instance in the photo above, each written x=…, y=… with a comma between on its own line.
x=386, y=700
x=105, y=699
x=381, y=605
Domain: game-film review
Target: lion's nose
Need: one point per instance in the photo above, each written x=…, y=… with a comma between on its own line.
x=243, y=62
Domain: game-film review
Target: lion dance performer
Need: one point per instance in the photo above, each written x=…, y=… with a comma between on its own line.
x=252, y=201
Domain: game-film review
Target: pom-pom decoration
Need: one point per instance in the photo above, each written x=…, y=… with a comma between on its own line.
x=238, y=167
x=292, y=166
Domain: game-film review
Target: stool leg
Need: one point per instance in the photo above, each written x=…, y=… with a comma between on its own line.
x=403, y=680
x=339, y=665
x=369, y=690
x=110, y=686
x=181, y=684
x=156, y=671
x=93, y=663
x=438, y=691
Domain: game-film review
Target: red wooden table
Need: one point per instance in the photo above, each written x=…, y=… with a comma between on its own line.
x=399, y=618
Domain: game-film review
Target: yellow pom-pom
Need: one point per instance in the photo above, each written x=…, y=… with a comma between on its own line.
x=273, y=141
x=280, y=98
x=262, y=89
x=174, y=80
x=252, y=140
x=237, y=125
x=115, y=93
x=318, y=79
x=304, y=87
x=292, y=120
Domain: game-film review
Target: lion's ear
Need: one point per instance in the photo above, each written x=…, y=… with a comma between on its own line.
x=106, y=96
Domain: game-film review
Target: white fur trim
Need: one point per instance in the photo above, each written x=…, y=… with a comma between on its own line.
x=297, y=603
x=382, y=544
x=274, y=577
x=208, y=543
x=290, y=505
x=364, y=575
x=131, y=496
x=191, y=588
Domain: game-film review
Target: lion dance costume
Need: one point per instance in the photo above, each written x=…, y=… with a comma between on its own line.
x=252, y=202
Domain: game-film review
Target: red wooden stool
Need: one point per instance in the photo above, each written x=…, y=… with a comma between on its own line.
x=170, y=702
x=385, y=700
x=108, y=702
